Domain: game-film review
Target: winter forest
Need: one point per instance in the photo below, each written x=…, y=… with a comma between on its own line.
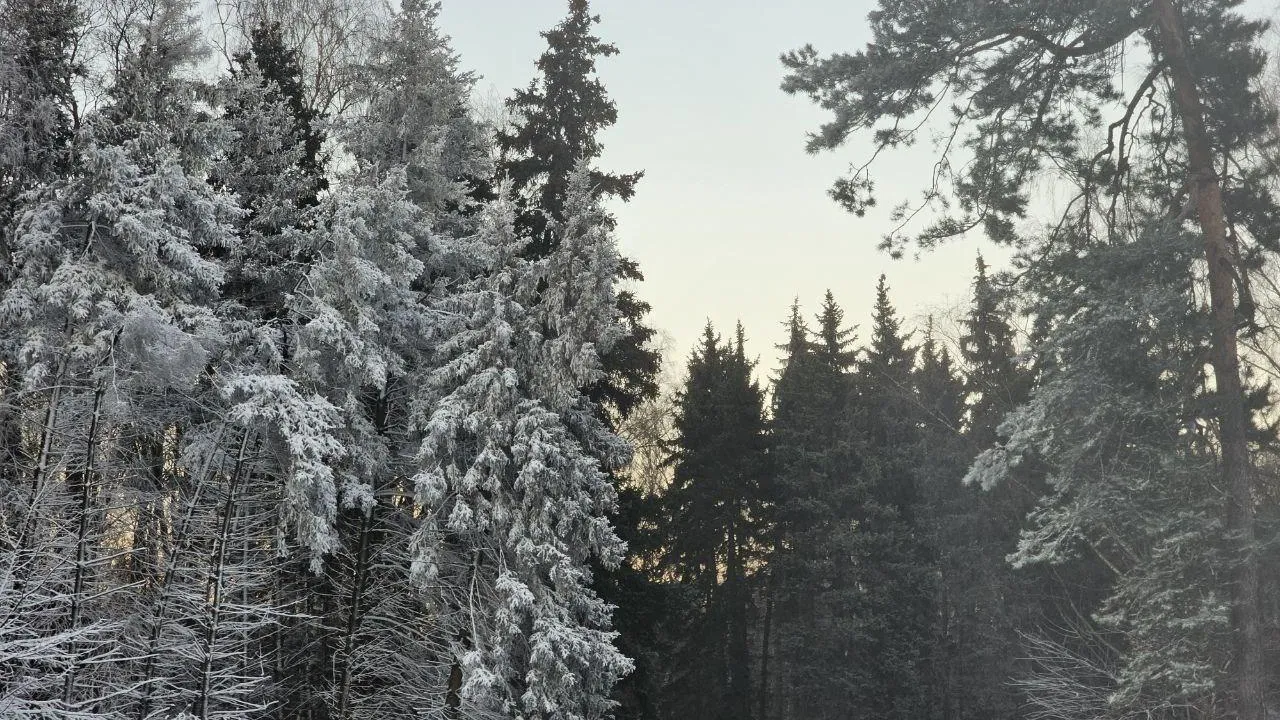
x=326, y=392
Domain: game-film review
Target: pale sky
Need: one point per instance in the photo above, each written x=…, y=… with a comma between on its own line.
x=731, y=220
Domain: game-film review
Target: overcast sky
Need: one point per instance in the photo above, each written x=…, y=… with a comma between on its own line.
x=731, y=220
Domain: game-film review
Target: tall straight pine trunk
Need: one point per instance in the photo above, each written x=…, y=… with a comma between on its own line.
x=1237, y=471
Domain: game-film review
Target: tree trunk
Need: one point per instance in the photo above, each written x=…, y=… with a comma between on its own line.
x=84, y=489
x=1237, y=471
x=360, y=576
x=766, y=631
x=182, y=543
x=40, y=473
x=739, y=699
x=453, y=692
x=216, y=583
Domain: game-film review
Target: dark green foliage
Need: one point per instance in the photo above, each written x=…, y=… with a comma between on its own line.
x=896, y=570
x=281, y=81
x=1117, y=423
x=274, y=163
x=558, y=118
x=813, y=574
x=975, y=647
x=651, y=615
x=889, y=407
x=1035, y=74
x=939, y=386
x=995, y=382
x=850, y=576
x=716, y=518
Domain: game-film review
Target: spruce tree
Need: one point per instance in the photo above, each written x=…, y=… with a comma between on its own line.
x=39, y=115
x=887, y=399
x=38, y=119
x=995, y=382
x=273, y=163
x=512, y=483
x=417, y=114
x=819, y=487
x=281, y=79
x=1127, y=333
x=716, y=516
x=974, y=645
x=114, y=305
x=896, y=579
x=939, y=386
x=379, y=251
x=1033, y=83
x=558, y=117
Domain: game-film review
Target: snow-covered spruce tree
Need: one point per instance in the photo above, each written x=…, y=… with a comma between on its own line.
x=512, y=481
x=364, y=334
x=1119, y=419
x=106, y=253
x=38, y=110
x=416, y=111
x=198, y=549
x=272, y=162
x=117, y=299
x=37, y=117
x=50, y=574
x=359, y=325
x=556, y=123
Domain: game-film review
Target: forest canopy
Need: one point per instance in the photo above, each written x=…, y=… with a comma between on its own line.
x=327, y=394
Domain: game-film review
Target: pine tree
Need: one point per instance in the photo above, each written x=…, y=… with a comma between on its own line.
x=1032, y=79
